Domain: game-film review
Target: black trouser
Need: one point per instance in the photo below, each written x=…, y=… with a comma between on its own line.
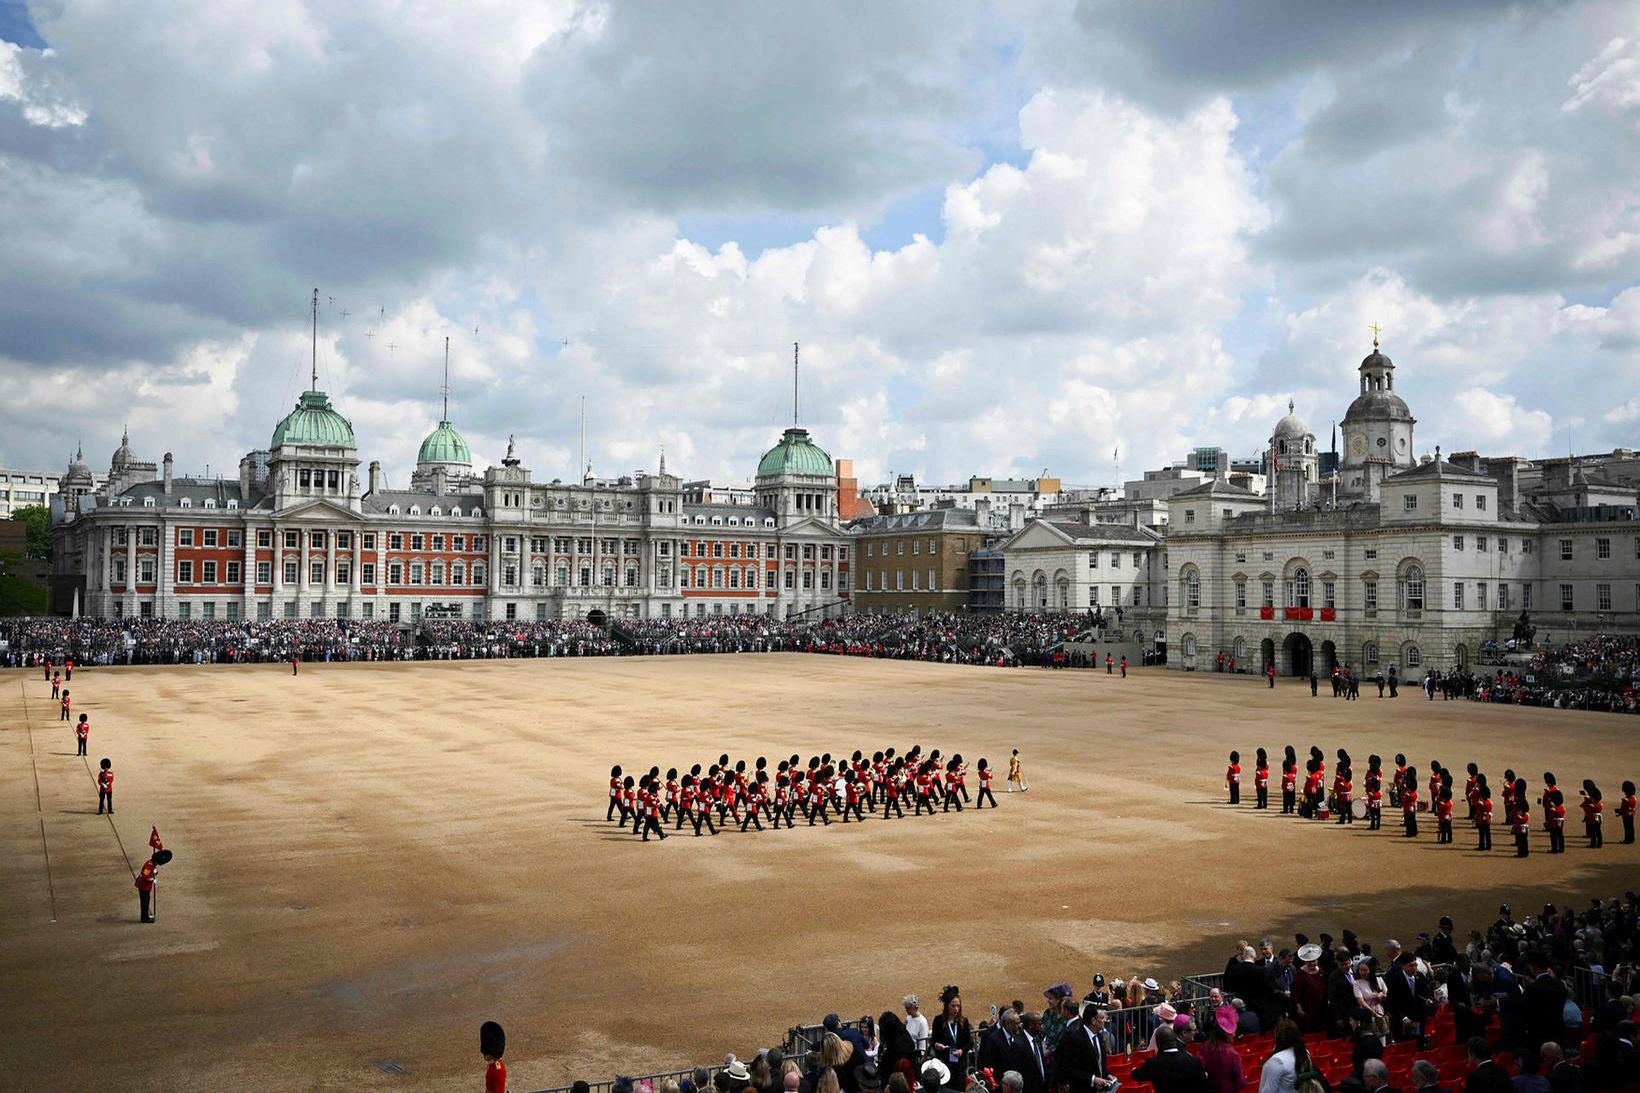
x=704, y=816
x=1411, y=820
x=782, y=813
x=859, y=813
x=65, y=714
x=609, y=813
x=962, y=788
x=751, y=818
x=68, y=676
x=922, y=803
x=1375, y=819
x=985, y=792
x=1289, y=801
x=894, y=804
x=1628, y=829
x=1235, y=793
x=1443, y=831
x=951, y=798
x=1345, y=816
x=1485, y=833
x=82, y=746
x=1263, y=795
x=105, y=796
x=1595, y=836
x=651, y=823
x=637, y=821
x=145, y=899
x=1521, y=849
x=1557, y=840
x=818, y=811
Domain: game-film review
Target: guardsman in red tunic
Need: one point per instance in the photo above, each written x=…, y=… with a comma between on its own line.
x=984, y=769
x=1469, y=789
x=671, y=803
x=892, y=784
x=1124, y=665
x=629, y=802
x=615, y=804
x=1554, y=822
x=1593, y=820
x=1109, y=662
x=1344, y=793
x=782, y=800
x=1409, y=804
x=1443, y=816
x=1289, y=786
x=145, y=887
x=1270, y=674
x=1483, y=815
x=82, y=732
x=951, y=787
x=66, y=702
x=492, y=1044
x=1232, y=777
x=1522, y=827
x=1261, y=780
x=1509, y=798
x=105, y=787
x=1375, y=804
x=56, y=686
x=1625, y=812
x=651, y=800
x=754, y=801
x=68, y=670
x=47, y=667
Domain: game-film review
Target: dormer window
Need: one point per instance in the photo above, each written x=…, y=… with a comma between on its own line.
x=233, y=503
x=210, y=502
x=435, y=511
x=147, y=502
x=187, y=502
x=415, y=510
x=392, y=510
x=455, y=510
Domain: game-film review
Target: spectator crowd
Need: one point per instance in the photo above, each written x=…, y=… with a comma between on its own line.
x=1003, y=640
x=1545, y=1004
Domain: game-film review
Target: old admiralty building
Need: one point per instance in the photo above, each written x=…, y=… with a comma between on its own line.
x=299, y=534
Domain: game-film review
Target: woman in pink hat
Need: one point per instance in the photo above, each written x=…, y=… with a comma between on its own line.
x=1223, y=1062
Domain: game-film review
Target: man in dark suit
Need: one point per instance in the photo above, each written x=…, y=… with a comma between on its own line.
x=1341, y=1000
x=1408, y=1004
x=1427, y=1077
x=1171, y=1070
x=1563, y=1077
x=1079, y=1060
x=1375, y=1077
x=1545, y=1001
x=1026, y=1055
x=1486, y=1075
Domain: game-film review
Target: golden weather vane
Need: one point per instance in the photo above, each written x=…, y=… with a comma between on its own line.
x=1374, y=328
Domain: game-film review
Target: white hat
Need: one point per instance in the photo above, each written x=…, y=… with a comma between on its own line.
x=1150, y=985
x=939, y=1068
x=1308, y=953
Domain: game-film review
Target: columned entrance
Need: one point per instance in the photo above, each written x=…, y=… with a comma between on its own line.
x=1299, y=654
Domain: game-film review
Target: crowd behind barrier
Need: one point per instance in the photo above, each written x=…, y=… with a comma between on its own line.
x=1004, y=640
x=1565, y=978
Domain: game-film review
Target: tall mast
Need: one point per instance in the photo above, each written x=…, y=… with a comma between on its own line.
x=794, y=383
x=313, y=380
x=446, y=387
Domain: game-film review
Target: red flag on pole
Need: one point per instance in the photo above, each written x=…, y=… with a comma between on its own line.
x=153, y=839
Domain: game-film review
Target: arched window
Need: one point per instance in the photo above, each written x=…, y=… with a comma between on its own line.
x=1413, y=657
x=1192, y=589
x=1298, y=588
x=1239, y=649
x=1190, y=645
x=1283, y=446
x=1412, y=589
x=1370, y=653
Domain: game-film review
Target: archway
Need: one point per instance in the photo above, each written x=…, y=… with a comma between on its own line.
x=1300, y=655
x=1460, y=657
x=1329, y=656
x=1266, y=654
x=597, y=617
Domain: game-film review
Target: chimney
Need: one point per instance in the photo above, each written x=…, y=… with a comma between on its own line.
x=1506, y=469
x=438, y=480
x=982, y=511
x=167, y=474
x=1016, y=515
x=1469, y=461
x=247, y=471
x=375, y=475
x=1557, y=474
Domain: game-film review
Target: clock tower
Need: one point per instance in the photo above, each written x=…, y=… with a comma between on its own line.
x=1377, y=431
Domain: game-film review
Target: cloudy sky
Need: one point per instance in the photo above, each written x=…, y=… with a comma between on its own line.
x=1009, y=237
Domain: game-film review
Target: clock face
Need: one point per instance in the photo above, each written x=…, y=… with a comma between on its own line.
x=1358, y=445
x=1382, y=441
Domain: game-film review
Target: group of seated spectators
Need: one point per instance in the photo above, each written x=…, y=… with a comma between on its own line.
x=1549, y=1002
x=1010, y=639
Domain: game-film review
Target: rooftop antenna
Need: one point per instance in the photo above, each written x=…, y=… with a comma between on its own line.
x=794, y=385
x=313, y=380
x=585, y=467
x=446, y=387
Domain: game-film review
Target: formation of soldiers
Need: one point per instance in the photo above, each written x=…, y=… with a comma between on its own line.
x=147, y=878
x=846, y=788
x=1339, y=801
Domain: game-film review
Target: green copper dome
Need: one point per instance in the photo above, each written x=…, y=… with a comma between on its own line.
x=314, y=422
x=795, y=454
x=445, y=445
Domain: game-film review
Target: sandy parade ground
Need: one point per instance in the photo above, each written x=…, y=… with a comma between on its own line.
x=370, y=860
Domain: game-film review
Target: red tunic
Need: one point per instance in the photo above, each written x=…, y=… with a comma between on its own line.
x=495, y=1077
x=1523, y=821
x=1261, y=778
x=105, y=781
x=146, y=878
x=1409, y=801
x=1232, y=775
x=83, y=729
